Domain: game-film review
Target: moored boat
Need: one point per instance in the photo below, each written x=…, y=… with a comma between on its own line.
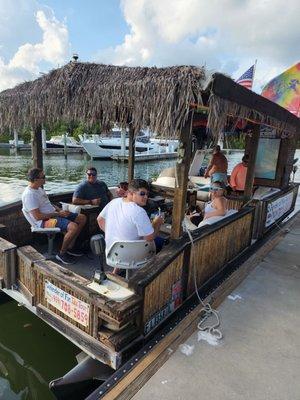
x=111, y=330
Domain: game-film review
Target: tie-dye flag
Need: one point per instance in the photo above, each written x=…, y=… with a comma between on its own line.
x=285, y=90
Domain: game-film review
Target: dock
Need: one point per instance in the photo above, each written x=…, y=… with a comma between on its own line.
x=146, y=157
x=25, y=146
x=70, y=150
x=258, y=357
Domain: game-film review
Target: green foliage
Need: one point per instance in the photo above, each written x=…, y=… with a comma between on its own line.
x=235, y=141
x=74, y=129
x=5, y=137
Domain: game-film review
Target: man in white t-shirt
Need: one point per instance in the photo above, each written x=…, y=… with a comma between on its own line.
x=41, y=213
x=124, y=218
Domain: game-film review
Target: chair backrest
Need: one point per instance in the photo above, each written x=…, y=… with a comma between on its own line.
x=131, y=254
x=29, y=218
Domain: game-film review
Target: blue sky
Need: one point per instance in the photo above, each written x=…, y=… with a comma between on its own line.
x=224, y=35
x=92, y=25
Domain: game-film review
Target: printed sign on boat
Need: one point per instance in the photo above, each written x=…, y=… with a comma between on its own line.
x=74, y=308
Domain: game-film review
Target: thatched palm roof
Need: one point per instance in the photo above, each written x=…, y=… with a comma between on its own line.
x=159, y=98
x=154, y=97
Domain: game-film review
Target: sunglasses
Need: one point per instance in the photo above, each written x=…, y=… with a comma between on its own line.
x=91, y=174
x=215, y=188
x=142, y=193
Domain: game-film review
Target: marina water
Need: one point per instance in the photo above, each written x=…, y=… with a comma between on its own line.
x=32, y=353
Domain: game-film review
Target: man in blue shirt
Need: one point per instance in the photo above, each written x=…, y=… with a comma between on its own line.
x=92, y=191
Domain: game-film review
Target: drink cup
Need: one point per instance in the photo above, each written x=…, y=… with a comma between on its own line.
x=65, y=207
x=162, y=214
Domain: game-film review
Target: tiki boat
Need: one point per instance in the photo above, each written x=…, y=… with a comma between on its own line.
x=180, y=103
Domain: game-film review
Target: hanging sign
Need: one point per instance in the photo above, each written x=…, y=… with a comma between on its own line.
x=278, y=208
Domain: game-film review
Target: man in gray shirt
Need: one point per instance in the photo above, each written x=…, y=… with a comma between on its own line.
x=92, y=191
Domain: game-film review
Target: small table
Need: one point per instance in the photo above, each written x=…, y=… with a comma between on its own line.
x=91, y=227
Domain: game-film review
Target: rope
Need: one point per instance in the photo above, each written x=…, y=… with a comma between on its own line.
x=206, y=310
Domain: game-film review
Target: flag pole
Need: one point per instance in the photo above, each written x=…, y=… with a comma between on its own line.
x=254, y=70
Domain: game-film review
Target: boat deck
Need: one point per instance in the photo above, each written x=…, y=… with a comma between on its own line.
x=84, y=266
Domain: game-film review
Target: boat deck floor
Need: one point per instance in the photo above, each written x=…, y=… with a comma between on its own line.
x=84, y=266
x=258, y=357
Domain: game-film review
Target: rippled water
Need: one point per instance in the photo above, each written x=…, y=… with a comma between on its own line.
x=31, y=353
x=63, y=175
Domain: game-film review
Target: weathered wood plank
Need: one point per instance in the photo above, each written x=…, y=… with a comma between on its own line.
x=118, y=340
x=91, y=345
x=23, y=289
x=182, y=171
x=253, y=145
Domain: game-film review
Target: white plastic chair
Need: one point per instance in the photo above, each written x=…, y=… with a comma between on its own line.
x=130, y=255
x=50, y=232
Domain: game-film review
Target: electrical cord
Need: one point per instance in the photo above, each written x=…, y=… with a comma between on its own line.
x=206, y=310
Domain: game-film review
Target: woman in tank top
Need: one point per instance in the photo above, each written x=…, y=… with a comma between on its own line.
x=218, y=204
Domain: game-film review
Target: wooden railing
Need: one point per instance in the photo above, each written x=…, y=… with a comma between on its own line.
x=168, y=279
x=212, y=251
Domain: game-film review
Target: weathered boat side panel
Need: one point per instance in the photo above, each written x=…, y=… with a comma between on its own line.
x=7, y=263
x=91, y=345
x=164, y=292
x=234, y=203
x=18, y=229
x=72, y=309
x=213, y=251
x=26, y=275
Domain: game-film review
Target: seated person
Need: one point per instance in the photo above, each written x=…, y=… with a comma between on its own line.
x=125, y=219
x=92, y=191
x=122, y=189
x=218, y=204
x=238, y=175
x=217, y=167
x=43, y=214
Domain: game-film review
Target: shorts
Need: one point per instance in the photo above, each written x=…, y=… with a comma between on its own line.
x=59, y=222
x=219, y=177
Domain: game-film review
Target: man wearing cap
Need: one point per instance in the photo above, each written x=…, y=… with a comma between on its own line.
x=92, y=191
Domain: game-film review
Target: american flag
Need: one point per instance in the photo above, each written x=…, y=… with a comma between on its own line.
x=247, y=78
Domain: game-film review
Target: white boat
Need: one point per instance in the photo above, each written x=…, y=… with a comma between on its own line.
x=58, y=142
x=111, y=145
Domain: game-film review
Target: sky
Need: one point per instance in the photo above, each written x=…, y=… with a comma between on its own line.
x=223, y=35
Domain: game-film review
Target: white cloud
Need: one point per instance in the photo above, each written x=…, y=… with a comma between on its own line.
x=226, y=36
x=50, y=48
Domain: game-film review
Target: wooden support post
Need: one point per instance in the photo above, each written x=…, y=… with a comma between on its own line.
x=253, y=145
x=131, y=153
x=7, y=263
x=37, y=148
x=182, y=171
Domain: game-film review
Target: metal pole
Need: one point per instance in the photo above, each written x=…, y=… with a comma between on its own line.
x=44, y=144
x=65, y=146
